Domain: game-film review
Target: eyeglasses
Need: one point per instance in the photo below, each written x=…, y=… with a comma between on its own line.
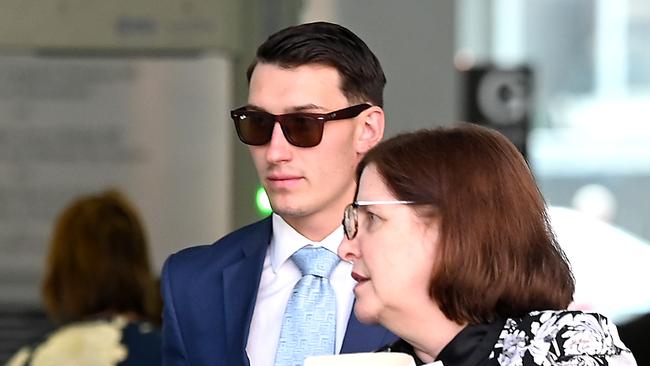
x=351, y=213
x=300, y=129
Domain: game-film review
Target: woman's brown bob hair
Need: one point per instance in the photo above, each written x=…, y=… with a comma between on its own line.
x=98, y=262
x=498, y=256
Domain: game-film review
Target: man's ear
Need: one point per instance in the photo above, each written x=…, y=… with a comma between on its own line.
x=372, y=129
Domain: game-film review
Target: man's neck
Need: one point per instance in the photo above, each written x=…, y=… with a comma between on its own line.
x=314, y=227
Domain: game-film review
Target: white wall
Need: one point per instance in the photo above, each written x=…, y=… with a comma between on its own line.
x=155, y=128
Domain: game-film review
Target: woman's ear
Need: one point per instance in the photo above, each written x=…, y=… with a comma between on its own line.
x=372, y=129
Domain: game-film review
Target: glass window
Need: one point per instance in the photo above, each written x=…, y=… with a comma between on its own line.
x=589, y=145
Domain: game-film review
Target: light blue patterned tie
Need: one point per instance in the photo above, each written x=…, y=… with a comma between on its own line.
x=309, y=323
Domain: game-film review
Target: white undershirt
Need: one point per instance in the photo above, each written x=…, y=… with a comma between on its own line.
x=279, y=276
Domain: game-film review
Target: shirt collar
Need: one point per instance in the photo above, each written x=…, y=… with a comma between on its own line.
x=286, y=241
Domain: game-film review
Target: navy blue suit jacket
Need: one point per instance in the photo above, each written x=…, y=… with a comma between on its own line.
x=209, y=294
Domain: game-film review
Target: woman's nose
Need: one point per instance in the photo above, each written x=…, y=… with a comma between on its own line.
x=348, y=250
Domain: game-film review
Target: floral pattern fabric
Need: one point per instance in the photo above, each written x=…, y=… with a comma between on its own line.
x=540, y=338
x=104, y=342
x=548, y=338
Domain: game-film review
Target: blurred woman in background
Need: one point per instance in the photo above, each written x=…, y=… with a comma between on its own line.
x=100, y=288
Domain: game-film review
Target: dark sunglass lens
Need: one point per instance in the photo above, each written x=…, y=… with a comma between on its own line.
x=254, y=128
x=302, y=131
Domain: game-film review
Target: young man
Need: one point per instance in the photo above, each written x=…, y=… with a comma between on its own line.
x=314, y=109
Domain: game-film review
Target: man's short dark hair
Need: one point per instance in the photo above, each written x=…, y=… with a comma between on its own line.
x=362, y=78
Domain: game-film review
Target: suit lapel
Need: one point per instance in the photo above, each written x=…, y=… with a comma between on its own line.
x=365, y=338
x=240, y=282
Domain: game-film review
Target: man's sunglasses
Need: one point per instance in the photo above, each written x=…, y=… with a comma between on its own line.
x=300, y=129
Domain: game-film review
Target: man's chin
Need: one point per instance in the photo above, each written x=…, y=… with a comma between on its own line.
x=288, y=211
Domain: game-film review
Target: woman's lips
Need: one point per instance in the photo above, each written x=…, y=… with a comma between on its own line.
x=359, y=278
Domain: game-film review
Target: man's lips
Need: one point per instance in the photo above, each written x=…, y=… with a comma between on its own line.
x=283, y=180
x=282, y=177
x=277, y=176
x=359, y=278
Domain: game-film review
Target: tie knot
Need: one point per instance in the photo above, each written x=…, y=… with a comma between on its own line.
x=316, y=261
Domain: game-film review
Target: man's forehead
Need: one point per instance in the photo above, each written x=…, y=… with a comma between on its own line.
x=308, y=88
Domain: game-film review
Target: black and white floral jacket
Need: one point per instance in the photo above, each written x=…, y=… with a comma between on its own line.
x=541, y=338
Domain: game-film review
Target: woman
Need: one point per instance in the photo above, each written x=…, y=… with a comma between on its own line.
x=99, y=286
x=453, y=252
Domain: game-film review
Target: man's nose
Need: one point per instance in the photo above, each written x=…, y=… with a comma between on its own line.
x=279, y=148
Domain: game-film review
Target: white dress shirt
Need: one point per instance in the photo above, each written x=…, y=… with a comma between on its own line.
x=279, y=276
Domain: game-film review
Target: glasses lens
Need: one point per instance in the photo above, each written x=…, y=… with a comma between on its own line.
x=350, y=221
x=253, y=128
x=301, y=130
